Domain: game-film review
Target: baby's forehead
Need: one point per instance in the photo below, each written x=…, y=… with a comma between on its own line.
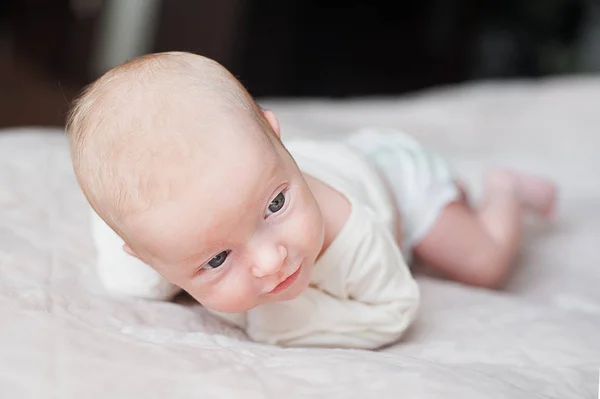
x=231, y=152
x=214, y=199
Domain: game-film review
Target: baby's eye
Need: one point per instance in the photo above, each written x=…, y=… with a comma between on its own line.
x=216, y=261
x=277, y=203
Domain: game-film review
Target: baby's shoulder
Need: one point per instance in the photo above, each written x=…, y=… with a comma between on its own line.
x=344, y=169
x=327, y=157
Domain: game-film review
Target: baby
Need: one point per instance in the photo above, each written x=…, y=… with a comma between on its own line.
x=302, y=243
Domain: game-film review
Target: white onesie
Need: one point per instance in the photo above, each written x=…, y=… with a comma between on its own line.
x=362, y=293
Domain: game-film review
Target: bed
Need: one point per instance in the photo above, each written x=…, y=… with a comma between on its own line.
x=61, y=336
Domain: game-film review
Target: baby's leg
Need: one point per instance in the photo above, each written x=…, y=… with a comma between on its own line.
x=478, y=246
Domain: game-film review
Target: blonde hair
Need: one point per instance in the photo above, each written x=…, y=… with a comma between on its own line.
x=120, y=127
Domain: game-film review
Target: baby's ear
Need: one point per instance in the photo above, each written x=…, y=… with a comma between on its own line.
x=127, y=249
x=272, y=119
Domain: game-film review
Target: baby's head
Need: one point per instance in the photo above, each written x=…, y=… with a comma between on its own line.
x=174, y=154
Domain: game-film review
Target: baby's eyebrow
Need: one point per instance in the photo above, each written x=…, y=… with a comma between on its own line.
x=194, y=259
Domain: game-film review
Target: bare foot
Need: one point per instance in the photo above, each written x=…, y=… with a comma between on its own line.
x=536, y=193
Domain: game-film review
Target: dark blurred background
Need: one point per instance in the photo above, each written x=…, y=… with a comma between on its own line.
x=49, y=49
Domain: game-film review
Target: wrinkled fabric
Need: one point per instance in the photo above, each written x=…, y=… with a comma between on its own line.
x=61, y=335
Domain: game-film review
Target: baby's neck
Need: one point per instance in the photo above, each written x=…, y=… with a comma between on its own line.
x=334, y=207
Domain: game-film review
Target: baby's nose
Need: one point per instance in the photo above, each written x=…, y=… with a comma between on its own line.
x=268, y=260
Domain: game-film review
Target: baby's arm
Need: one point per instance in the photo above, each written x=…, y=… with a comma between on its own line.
x=317, y=319
x=121, y=273
x=365, y=306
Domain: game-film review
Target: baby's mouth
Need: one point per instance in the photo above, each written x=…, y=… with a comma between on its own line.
x=287, y=282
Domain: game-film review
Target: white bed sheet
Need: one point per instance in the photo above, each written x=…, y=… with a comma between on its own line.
x=62, y=337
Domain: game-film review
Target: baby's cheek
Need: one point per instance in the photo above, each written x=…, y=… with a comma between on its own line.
x=229, y=295
x=311, y=227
